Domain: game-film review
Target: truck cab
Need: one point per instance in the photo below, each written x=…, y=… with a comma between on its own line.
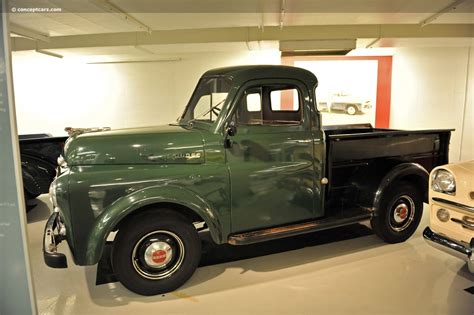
x=249, y=160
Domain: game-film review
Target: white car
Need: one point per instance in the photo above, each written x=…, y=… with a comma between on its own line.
x=452, y=210
x=347, y=103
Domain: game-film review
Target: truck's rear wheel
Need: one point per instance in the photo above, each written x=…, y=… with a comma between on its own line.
x=400, y=212
x=156, y=253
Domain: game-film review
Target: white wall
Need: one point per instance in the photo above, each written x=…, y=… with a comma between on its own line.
x=429, y=91
x=467, y=152
x=52, y=93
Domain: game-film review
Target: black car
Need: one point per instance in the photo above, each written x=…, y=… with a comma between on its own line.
x=39, y=154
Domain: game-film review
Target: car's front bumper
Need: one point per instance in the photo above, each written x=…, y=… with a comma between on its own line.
x=456, y=248
x=54, y=233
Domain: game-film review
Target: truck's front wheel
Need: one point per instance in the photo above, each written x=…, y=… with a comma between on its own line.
x=399, y=214
x=156, y=253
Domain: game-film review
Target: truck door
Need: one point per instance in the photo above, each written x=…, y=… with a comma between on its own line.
x=270, y=159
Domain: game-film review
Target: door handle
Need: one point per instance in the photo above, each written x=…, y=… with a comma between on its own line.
x=153, y=157
x=304, y=141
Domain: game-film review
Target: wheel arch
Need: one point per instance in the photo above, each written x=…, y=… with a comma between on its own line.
x=410, y=172
x=375, y=181
x=176, y=199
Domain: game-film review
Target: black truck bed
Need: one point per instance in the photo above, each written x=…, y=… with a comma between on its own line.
x=355, y=150
x=351, y=143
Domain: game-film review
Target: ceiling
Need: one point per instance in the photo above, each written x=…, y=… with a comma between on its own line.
x=144, y=27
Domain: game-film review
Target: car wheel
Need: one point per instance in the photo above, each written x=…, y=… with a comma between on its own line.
x=156, y=252
x=351, y=110
x=400, y=212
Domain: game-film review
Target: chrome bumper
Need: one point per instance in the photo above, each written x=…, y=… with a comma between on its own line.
x=456, y=248
x=54, y=233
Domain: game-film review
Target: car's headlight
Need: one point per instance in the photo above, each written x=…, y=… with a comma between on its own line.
x=443, y=181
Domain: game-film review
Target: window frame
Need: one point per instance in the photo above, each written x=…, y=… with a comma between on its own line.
x=266, y=101
x=300, y=103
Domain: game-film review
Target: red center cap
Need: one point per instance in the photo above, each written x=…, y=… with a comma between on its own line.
x=403, y=213
x=159, y=256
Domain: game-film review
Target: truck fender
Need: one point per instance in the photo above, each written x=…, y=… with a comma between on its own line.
x=117, y=211
x=371, y=183
x=400, y=171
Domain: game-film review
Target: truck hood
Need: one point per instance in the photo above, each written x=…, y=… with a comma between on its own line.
x=149, y=145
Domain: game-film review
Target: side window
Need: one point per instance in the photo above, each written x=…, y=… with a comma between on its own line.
x=254, y=102
x=285, y=100
x=249, y=111
x=270, y=105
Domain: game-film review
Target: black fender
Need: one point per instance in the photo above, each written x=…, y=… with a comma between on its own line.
x=31, y=187
x=372, y=183
x=37, y=175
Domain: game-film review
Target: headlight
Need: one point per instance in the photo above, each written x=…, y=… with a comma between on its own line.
x=443, y=181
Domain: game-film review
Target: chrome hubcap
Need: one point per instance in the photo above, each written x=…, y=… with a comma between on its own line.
x=402, y=213
x=158, y=254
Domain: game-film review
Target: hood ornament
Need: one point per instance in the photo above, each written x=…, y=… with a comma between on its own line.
x=77, y=131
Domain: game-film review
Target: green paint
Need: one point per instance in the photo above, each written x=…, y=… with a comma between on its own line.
x=269, y=176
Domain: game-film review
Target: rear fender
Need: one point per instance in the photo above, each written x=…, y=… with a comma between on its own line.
x=412, y=172
x=37, y=175
x=373, y=183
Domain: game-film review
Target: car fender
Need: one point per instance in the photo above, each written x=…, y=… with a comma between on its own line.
x=372, y=183
x=117, y=211
x=401, y=171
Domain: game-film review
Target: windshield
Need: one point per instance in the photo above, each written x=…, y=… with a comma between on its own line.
x=207, y=100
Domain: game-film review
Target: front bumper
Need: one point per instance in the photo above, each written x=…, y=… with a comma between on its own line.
x=54, y=233
x=456, y=248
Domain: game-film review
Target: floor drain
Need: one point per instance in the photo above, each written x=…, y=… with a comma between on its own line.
x=470, y=290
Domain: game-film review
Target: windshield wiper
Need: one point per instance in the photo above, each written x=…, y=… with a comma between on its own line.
x=214, y=109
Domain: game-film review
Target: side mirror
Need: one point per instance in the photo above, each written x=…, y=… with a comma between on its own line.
x=230, y=131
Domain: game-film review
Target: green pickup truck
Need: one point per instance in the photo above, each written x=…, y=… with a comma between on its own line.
x=248, y=161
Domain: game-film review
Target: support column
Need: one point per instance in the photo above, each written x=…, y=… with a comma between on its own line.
x=16, y=286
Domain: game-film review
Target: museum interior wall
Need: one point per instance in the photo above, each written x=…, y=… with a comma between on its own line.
x=429, y=88
x=53, y=93
x=468, y=131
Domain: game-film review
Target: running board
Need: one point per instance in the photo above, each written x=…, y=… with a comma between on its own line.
x=292, y=230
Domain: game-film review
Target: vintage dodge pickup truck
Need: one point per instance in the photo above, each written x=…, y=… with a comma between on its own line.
x=249, y=161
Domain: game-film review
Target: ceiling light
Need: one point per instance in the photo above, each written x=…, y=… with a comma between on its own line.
x=317, y=47
x=133, y=61
x=45, y=52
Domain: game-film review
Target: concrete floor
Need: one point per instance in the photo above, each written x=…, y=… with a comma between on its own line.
x=357, y=275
